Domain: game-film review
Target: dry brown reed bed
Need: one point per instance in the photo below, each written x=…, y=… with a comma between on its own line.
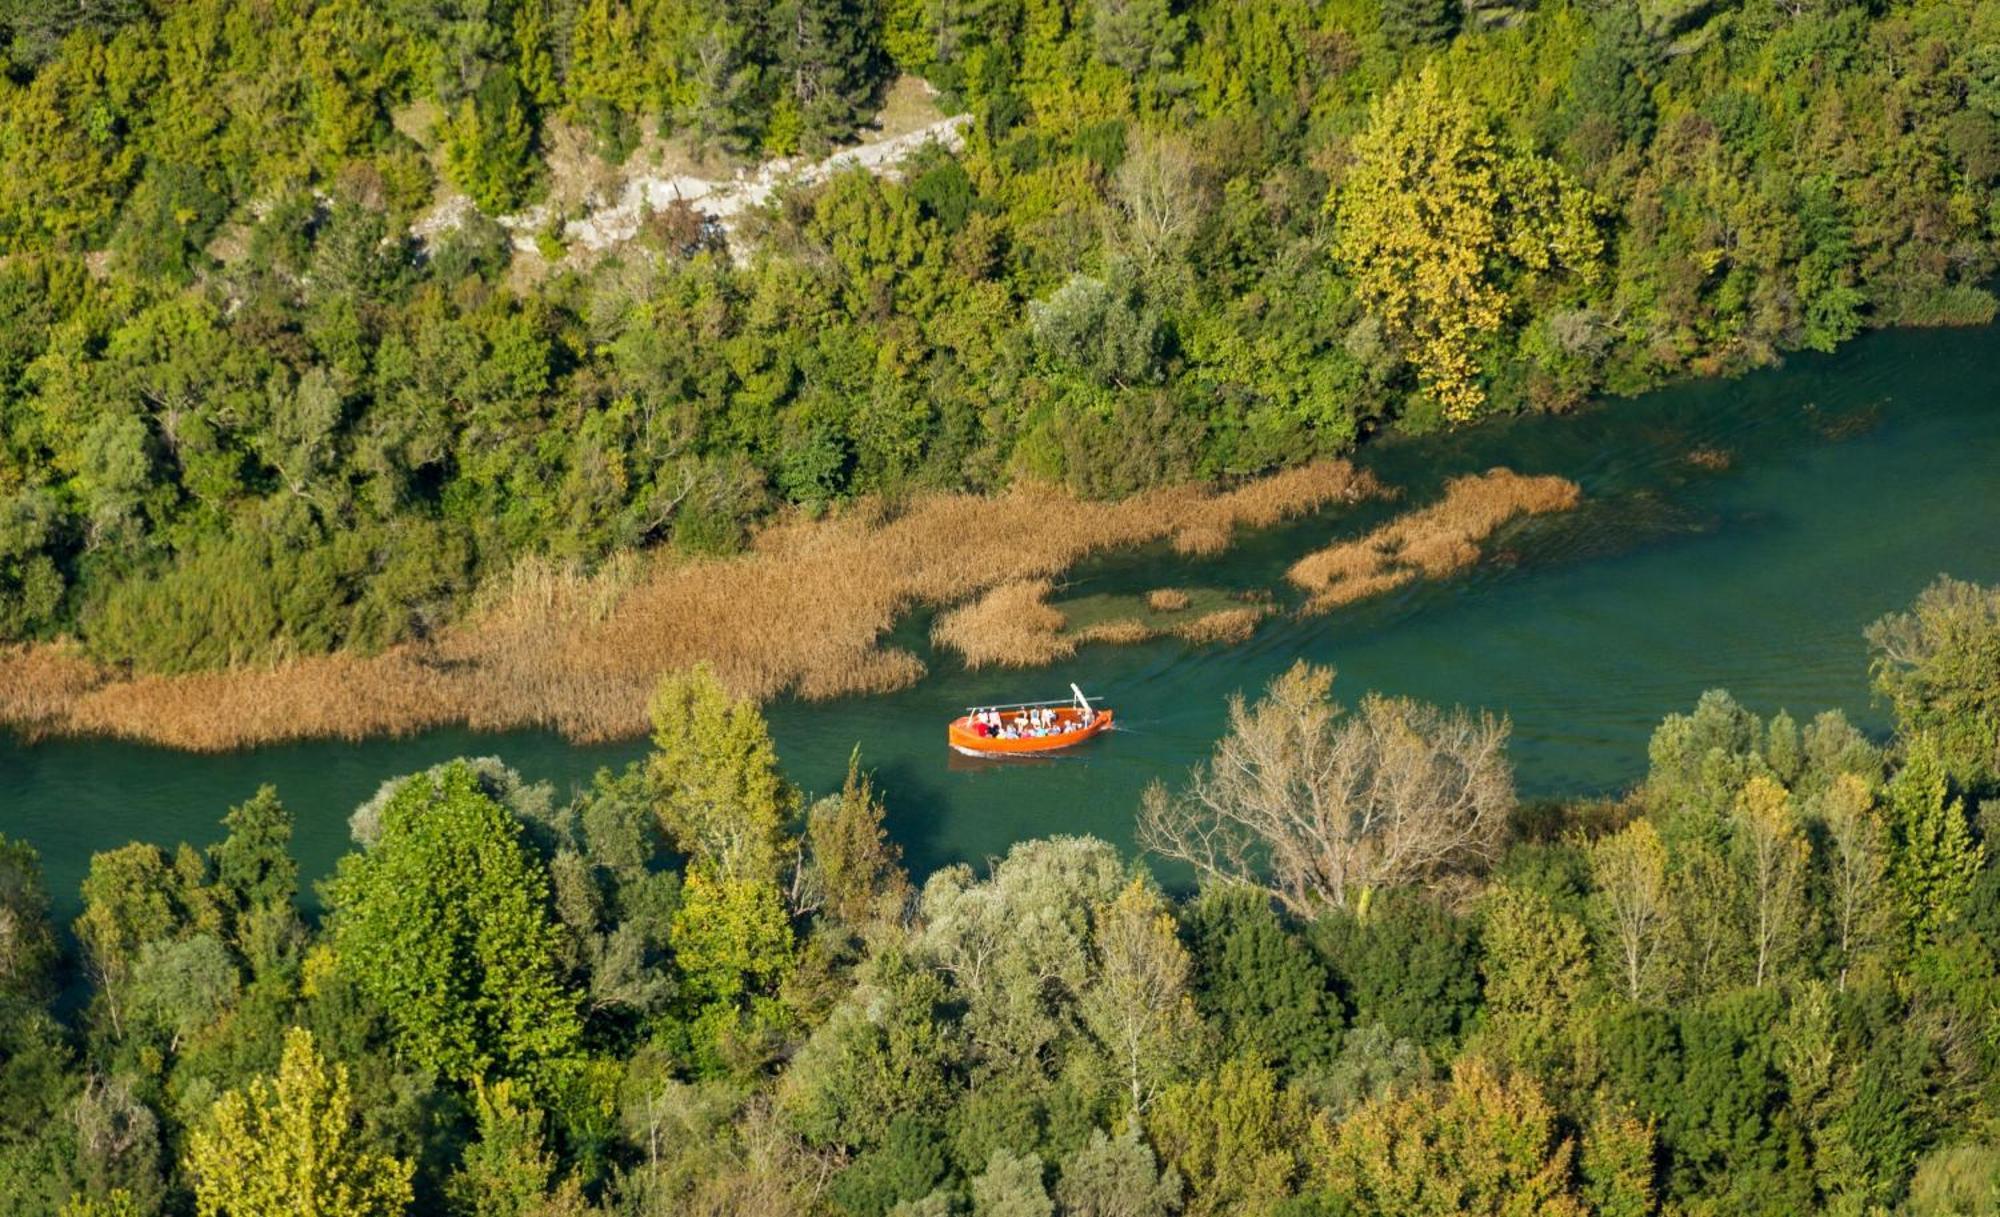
x=1168, y=600
x=1210, y=528
x=1224, y=625
x=801, y=611
x=1430, y=542
x=1014, y=626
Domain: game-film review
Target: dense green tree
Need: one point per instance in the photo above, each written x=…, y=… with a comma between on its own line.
x=1136, y=36
x=507, y=1172
x=1418, y=23
x=1266, y=993
x=715, y=774
x=732, y=948
x=253, y=864
x=444, y=922
x=1410, y=966
x=1937, y=665
x=907, y=1166
x=830, y=69
x=1537, y=970
x=854, y=872
x=1932, y=856
x=888, y=1051
x=1233, y=1137
x=27, y=942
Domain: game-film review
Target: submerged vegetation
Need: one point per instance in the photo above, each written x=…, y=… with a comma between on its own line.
x=260, y=402
x=1761, y=982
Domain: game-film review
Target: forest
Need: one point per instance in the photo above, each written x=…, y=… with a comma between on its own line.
x=1365, y=978
x=251, y=407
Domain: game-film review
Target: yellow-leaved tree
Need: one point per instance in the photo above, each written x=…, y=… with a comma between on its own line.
x=289, y=1147
x=1442, y=227
x=1484, y=1144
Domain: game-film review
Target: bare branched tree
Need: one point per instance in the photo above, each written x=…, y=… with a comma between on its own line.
x=1322, y=808
x=1633, y=903
x=1162, y=198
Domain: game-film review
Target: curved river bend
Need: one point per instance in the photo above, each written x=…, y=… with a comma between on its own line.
x=1734, y=533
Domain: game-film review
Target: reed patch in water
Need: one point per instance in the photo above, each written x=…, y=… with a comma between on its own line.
x=1015, y=626
x=1224, y=625
x=1431, y=542
x=1211, y=528
x=803, y=611
x=1012, y=625
x=1167, y=600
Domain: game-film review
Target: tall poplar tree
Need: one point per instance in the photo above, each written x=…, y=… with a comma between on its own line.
x=1932, y=856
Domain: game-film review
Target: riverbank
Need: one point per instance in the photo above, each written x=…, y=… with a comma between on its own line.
x=803, y=611
x=1829, y=492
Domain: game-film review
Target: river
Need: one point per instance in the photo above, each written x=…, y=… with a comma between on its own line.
x=1833, y=489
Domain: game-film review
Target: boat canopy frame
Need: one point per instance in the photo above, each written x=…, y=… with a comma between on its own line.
x=1054, y=703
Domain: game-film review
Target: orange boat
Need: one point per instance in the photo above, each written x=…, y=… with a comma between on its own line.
x=1067, y=724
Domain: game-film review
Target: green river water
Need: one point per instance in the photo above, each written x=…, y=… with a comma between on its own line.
x=1852, y=480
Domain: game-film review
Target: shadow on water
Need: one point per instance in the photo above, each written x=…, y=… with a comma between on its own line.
x=1735, y=534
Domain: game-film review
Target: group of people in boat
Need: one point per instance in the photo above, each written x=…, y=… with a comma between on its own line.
x=1033, y=722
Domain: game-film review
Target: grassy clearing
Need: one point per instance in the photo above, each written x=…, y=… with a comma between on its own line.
x=1429, y=543
x=802, y=611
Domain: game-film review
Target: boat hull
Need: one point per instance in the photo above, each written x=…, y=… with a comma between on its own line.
x=963, y=739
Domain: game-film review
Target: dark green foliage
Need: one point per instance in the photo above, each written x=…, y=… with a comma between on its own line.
x=822, y=51
x=1410, y=24
x=28, y=947
x=253, y=864
x=1932, y=856
x=1711, y=1076
x=1609, y=105
x=1137, y=36
x=908, y=1165
x=1267, y=994
x=1408, y=965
